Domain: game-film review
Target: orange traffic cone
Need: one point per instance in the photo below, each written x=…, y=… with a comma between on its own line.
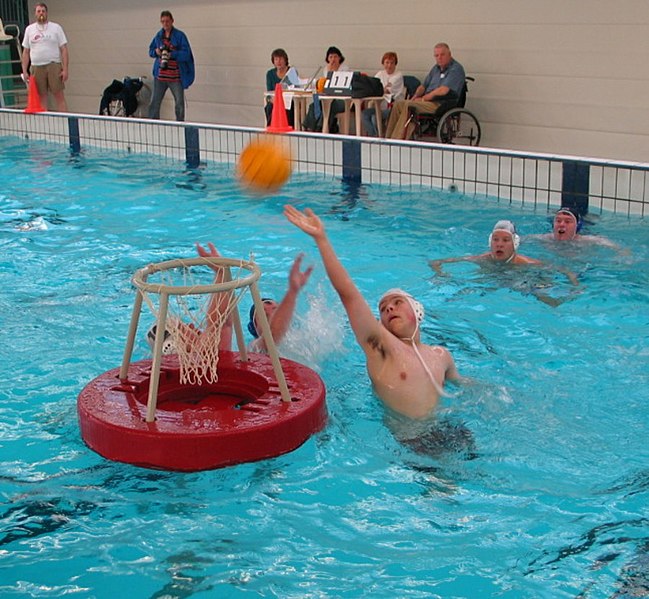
x=279, y=121
x=33, y=99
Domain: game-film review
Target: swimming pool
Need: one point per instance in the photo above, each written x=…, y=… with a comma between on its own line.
x=553, y=504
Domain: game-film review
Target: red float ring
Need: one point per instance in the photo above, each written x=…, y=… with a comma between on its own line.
x=241, y=418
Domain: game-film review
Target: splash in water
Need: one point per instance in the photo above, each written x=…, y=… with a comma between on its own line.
x=316, y=334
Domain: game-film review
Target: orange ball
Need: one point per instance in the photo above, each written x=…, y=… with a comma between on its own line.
x=264, y=165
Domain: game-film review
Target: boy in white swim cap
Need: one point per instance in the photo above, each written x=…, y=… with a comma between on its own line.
x=503, y=247
x=407, y=375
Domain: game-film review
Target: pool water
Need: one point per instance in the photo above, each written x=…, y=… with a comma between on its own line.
x=551, y=503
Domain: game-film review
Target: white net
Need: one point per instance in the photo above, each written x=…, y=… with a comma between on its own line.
x=197, y=318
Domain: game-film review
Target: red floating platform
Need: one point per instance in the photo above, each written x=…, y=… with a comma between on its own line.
x=241, y=418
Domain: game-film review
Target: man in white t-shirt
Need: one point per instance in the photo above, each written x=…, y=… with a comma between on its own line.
x=46, y=48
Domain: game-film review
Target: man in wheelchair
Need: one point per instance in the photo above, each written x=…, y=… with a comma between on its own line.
x=440, y=92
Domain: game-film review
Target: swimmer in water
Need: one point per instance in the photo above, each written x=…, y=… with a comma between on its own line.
x=503, y=249
x=279, y=315
x=567, y=225
x=218, y=305
x=406, y=374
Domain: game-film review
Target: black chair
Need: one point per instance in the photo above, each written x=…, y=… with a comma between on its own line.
x=411, y=83
x=451, y=124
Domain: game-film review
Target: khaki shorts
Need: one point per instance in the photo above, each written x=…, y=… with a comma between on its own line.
x=48, y=78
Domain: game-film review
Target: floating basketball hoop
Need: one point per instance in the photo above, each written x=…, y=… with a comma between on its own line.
x=203, y=406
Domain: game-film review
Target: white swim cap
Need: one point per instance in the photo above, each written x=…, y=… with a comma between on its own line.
x=416, y=306
x=418, y=309
x=508, y=227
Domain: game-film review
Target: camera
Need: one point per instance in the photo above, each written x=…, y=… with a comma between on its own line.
x=164, y=58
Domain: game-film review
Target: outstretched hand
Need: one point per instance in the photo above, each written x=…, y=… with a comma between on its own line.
x=296, y=278
x=211, y=252
x=308, y=221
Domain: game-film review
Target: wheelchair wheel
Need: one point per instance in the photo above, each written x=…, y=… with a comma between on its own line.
x=459, y=126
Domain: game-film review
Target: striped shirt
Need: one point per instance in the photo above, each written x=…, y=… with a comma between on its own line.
x=171, y=73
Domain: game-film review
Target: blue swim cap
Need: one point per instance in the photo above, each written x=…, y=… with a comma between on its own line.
x=252, y=329
x=574, y=214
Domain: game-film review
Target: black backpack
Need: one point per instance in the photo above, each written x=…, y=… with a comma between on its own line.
x=124, y=91
x=364, y=86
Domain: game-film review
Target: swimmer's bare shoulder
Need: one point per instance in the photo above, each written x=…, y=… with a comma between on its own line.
x=442, y=357
x=520, y=259
x=600, y=240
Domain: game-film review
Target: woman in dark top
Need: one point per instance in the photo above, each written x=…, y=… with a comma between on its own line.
x=280, y=69
x=313, y=122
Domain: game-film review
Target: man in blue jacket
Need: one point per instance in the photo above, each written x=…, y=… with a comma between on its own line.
x=173, y=67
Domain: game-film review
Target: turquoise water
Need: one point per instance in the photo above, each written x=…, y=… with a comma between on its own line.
x=552, y=504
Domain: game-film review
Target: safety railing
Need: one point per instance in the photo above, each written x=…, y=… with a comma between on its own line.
x=524, y=178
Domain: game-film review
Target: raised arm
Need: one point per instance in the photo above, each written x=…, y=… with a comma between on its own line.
x=283, y=315
x=361, y=318
x=219, y=302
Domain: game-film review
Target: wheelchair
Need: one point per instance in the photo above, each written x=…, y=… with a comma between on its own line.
x=454, y=125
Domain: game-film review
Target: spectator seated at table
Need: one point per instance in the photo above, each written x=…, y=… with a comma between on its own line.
x=440, y=91
x=393, y=88
x=280, y=73
x=313, y=121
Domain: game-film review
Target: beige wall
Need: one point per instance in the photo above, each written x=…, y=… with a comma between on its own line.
x=558, y=76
